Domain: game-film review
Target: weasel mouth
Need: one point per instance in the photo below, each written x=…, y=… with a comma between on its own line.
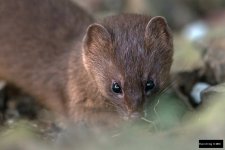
x=133, y=116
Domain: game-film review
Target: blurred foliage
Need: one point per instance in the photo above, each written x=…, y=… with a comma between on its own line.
x=169, y=124
x=186, y=55
x=207, y=123
x=178, y=13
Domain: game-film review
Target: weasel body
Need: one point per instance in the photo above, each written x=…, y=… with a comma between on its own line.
x=87, y=70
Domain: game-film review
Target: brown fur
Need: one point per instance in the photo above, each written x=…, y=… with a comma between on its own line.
x=129, y=49
x=42, y=53
x=36, y=39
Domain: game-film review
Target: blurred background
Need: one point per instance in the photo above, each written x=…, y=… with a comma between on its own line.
x=179, y=13
x=191, y=108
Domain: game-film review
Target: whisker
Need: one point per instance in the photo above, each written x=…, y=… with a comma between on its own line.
x=156, y=113
x=157, y=103
x=116, y=106
x=165, y=90
x=162, y=93
x=168, y=87
x=150, y=122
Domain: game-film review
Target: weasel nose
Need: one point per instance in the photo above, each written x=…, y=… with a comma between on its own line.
x=135, y=115
x=134, y=106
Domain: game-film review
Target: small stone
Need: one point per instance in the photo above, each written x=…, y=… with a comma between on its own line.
x=196, y=91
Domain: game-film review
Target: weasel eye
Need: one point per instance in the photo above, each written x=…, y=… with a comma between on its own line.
x=149, y=86
x=116, y=88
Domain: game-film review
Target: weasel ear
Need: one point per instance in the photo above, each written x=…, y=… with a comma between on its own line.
x=157, y=30
x=97, y=37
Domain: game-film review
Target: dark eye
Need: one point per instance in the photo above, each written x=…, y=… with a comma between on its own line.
x=116, y=88
x=149, y=85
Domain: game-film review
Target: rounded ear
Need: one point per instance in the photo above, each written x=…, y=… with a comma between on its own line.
x=157, y=29
x=97, y=37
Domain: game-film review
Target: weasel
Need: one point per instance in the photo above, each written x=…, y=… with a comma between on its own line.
x=81, y=68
